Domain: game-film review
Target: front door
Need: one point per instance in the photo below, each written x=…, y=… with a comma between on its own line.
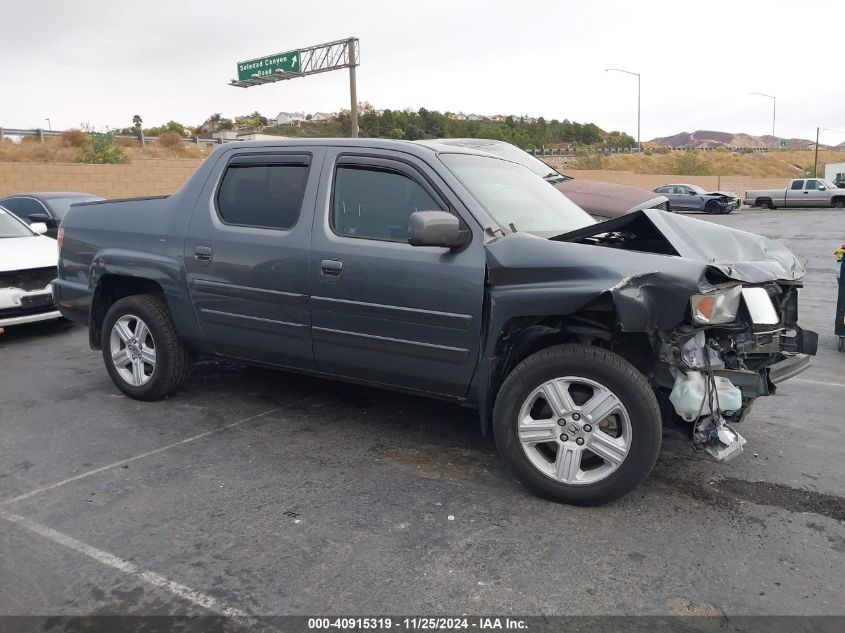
x=382, y=310
x=246, y=256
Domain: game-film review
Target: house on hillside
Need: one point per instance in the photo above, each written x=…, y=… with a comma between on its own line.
x=289, y=118
x=497, y=117
x=474, y=117
x=323, y=116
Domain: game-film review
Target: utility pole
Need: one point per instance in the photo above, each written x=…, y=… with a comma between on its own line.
x=49, y=125
x=639, y=143
x=816, y=158
x=353, y=90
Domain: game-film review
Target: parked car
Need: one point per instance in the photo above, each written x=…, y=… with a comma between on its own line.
x=27, y=266
x=801, y=192
x=46, y=207
x=451, y=273
x=602, y=200
x=693, y=198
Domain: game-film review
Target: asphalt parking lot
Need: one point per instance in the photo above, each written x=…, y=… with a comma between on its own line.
x=258, y=492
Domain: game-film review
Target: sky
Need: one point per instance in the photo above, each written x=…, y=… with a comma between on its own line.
x=100, y=62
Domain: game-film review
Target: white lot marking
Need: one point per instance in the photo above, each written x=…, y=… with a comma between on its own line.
x=196, y=597
x=818, y=382
x=155, y=451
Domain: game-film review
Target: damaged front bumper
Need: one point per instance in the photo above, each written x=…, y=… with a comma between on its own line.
x=719, y=371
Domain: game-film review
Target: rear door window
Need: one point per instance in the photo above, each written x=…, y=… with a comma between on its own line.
x=797, y=185
x=263, y=194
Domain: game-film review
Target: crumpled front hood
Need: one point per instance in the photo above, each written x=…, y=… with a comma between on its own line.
x=653, y=262
x=737, y=254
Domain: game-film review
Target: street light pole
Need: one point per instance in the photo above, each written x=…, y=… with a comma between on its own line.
x=774, y=108
x=639, y=92
x=49, y=125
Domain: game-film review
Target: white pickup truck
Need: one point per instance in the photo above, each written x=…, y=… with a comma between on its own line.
x=802, y=192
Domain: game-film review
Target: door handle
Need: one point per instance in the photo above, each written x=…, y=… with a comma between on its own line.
x=806, y=192
x=331, y=267
x=202, y=254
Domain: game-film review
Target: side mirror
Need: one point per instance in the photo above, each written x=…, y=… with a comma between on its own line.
x=38, y=227
x=435, y=228
x=822, y=188
x=38, y=217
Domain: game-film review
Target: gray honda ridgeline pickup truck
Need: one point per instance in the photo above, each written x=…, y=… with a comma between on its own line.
x=446, y=272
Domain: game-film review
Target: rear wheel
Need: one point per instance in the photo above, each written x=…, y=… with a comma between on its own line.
x=143, y=354
x=577, y=424
x=765, y=204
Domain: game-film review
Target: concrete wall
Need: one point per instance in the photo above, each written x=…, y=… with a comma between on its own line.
x=151, y=177
x=147, y=177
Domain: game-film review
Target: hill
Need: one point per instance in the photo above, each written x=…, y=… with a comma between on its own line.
x=709, y=139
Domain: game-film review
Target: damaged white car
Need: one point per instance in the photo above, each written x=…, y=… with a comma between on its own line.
x=27, y=267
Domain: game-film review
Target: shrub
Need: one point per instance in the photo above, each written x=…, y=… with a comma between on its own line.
x=690, y=164
x=171, y=140
x=661, y=149
x=74, y=138
x=588, y=160
x=103, y=148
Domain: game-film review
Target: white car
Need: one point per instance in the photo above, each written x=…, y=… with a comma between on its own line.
x=28, y=263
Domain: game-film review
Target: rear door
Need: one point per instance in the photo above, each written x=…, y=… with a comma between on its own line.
x=795, y=194
x=246, y=255
x=382, y=310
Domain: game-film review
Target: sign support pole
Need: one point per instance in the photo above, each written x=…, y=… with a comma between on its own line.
x=353, y=92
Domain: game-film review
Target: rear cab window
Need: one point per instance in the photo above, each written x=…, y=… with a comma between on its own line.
x=263, y=191
x=797, y=185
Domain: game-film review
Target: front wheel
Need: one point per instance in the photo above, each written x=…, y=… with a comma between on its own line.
x=143, y=354
x=712, y=207
x=577, y=424
x=839, y=203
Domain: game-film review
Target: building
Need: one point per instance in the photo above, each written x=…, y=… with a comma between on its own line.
x=323, y=116
x=289, y=118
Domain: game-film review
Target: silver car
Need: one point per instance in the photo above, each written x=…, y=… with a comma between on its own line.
x=683, y=197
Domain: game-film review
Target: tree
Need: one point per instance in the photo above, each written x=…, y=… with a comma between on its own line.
x=137, y=121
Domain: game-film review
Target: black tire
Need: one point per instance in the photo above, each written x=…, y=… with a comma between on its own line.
x=712, y=207
x=598, y=365
x=839, y=203
x=766, y=204
x=173, y=361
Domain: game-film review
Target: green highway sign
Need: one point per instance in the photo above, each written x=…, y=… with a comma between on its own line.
x=782, y=142
x=268, y=65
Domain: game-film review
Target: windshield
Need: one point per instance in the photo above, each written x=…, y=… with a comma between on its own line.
x=59, y=206
x=828, y=184
x=11, y=227
x=514, y=196
x=512, y=152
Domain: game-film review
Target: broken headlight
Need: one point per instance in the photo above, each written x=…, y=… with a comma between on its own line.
x=716, y=307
